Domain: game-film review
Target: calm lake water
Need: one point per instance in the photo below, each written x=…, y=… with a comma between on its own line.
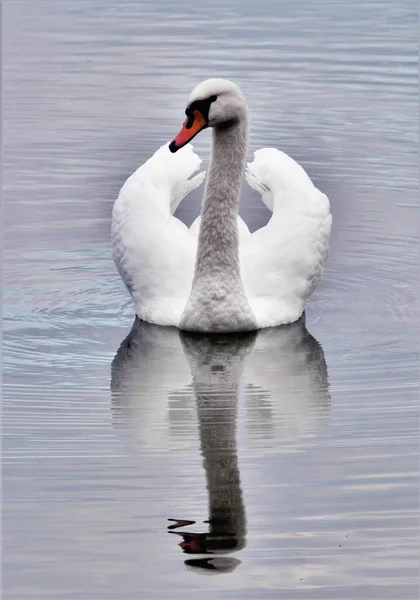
x=286, y=462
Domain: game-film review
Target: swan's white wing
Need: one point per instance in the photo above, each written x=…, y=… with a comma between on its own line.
x=242, y=227
x=154, y=251
x=282, y=262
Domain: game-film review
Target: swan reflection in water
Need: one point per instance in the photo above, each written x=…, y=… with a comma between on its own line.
x=280, y=377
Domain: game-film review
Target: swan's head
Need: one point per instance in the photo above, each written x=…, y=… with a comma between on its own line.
x=213, y=103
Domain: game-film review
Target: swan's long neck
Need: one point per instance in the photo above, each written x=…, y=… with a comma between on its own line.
x=218, y=251
x=217, y=301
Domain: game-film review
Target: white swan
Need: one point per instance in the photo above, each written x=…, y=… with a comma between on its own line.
x=228, y=279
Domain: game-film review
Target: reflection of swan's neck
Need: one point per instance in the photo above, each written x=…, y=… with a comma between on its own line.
x=218, y=240
x=217, y=367
x=217, y=426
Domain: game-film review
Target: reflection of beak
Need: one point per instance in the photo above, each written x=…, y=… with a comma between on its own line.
x=193, y=544
x=192, y=125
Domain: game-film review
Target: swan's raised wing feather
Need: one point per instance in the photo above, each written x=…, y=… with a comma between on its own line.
x=154, y=251
x=282, y=262
x=183, y=187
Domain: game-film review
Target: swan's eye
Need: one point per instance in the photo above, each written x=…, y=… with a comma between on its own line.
x=213, y=98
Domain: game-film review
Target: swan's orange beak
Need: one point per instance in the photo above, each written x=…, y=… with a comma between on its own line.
x=193, y=124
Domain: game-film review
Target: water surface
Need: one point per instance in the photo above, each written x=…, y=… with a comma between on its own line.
x=286, y=461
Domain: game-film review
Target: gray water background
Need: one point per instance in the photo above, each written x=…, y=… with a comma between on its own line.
x=319, y=439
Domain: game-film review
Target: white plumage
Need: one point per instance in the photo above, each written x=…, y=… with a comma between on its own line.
x=153, y=250
x=155, y=253
x=280, y=263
